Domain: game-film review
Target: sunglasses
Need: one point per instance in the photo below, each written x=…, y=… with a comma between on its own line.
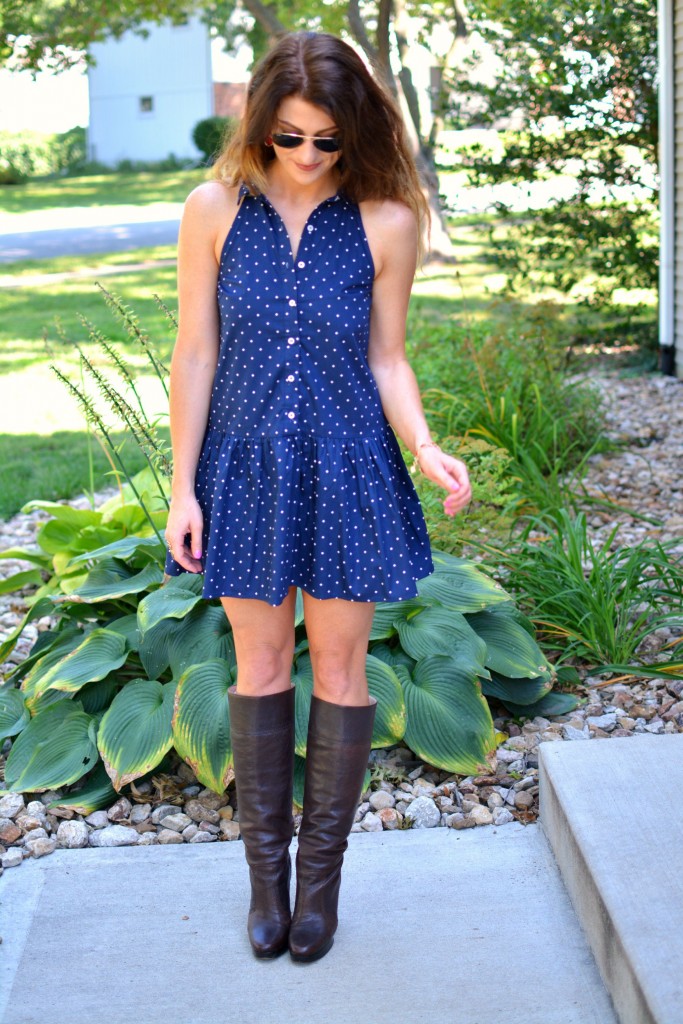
x=288, y=140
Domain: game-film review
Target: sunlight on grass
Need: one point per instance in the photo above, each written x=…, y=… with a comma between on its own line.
x=34, y=401
x=148, y=188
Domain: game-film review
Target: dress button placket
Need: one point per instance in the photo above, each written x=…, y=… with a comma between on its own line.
x=292, y=398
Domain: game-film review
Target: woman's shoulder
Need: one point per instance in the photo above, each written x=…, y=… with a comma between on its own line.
x=391, y=230
x=390, y=218
x=210, y=196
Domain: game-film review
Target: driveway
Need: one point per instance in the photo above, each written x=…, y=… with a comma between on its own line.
x=81, y=230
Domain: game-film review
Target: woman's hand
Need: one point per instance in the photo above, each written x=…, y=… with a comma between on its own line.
x=449, y=473
x=185, y=517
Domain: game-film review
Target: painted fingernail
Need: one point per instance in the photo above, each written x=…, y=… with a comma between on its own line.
x=197, y=554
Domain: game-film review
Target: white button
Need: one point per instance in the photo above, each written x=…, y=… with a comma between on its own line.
x=290, y=378
x=291, y=341
x=292, y=302
x=309, y=228
x=291, y=415
x=301, y=264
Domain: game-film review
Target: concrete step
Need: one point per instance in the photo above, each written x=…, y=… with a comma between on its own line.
x=436, y=927
x=613, y=814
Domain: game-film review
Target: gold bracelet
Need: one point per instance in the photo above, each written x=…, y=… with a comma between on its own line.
x=425, y=444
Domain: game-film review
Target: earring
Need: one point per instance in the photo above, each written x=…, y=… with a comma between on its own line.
x=268, y=141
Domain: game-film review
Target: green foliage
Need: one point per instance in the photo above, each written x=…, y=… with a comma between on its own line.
x=209, y=134
x=137, y=664
x=509, y=388
x=27, y=154
x=583, y=82
x=595, y=602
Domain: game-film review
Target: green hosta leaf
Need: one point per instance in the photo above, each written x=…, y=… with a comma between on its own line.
x=96, y=792
x=124, y=548
x=55, y=537
x=201, y=722
x=449, y=722
x=386, y=615
x=56, y=748
x=135, y=731
x=299, y=776
x=127, y=626
x=202, y=634
x=298, y=608
x=459, y=585
x=302, y=680
x=165, y=603
x=111, y=579
x=390, y=715
x=62, y=644
x=14, y=715
x=27, y=555
x=553, y=703
x=440, y=631
x=97, y=696
x=510, y=650
x=393, y=656
x=96, y=656
x=518, y=691
x=153, y=649
x=43, y=606
x=75, y=517
x=20, y=579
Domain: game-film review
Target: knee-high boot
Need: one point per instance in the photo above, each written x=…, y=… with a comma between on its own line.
x=338, y=747
x=262, y=735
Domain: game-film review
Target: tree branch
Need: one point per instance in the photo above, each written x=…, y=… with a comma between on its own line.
x=266, y=17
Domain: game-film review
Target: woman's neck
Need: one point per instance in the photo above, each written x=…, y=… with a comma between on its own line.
x=283, y=189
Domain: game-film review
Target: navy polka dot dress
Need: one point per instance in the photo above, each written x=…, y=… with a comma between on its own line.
x=300, y=478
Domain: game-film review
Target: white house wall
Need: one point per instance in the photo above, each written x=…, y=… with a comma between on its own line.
x=172, y=69
x=677, y=211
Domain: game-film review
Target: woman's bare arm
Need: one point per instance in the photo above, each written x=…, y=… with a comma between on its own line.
x=207, y=212
x=392, y=234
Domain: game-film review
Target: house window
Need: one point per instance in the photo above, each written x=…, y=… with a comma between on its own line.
x=146, y=104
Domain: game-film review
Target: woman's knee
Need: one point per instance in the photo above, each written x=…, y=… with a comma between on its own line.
x=264, y=666
x=339, y=675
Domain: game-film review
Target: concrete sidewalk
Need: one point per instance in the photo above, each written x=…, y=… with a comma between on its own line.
x=464, y=927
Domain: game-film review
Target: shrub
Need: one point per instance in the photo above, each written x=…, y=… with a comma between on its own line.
x=208, y=135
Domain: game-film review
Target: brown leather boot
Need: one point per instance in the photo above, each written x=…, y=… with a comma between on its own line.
x=337, y=752
x=262, y=734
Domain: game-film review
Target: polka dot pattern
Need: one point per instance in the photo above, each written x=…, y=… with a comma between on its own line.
x=300, y=478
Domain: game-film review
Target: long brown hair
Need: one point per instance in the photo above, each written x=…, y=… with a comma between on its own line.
x=375, y=161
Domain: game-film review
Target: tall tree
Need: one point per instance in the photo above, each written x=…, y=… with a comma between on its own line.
x=591, y=69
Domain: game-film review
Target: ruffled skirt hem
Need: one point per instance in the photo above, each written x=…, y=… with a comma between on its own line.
x=337, y=516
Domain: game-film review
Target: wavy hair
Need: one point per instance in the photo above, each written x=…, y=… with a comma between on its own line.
x=375, y=161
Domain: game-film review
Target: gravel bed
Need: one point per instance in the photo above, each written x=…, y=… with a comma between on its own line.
x=643, y=477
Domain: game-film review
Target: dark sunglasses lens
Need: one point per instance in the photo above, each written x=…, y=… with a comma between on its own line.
x=327, y=145
x=287, y=141
x=292, y=141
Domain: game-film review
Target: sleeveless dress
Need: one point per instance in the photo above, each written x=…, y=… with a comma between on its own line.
x=300, y=478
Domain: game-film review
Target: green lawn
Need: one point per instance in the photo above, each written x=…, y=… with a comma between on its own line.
x=140, y=189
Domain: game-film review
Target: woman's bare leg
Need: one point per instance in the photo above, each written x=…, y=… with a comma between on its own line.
x=264, y=643
x=338, y=633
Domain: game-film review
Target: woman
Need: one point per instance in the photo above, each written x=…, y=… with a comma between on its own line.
x=289, y=372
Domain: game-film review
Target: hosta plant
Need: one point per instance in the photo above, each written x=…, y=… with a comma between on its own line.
x=135, y=667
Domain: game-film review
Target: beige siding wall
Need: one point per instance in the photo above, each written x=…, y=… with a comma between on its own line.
x=678, y=108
